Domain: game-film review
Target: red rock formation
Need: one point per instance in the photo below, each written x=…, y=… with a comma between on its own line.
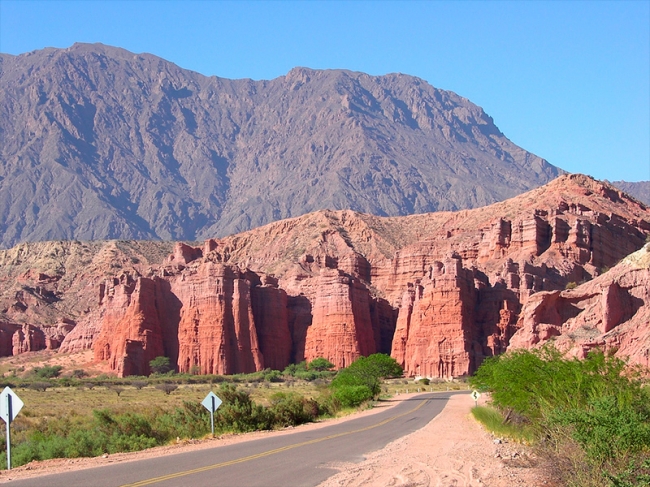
x=84, y=334
x=436, y=333
x=347, y=284
x=17, y=338
x=272, y=323
x=216, y=332
x=131, y=335
x=184, y=254
x=341, y=328
x=611, y=312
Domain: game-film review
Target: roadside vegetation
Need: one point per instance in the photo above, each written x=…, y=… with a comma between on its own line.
x=590, y=419
x=76, y=416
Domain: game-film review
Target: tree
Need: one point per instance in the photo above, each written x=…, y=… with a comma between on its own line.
x=160, y=365
x=117, y=390
x=48, y=371
x=167, y=388
x=361, y=381
x=320, y=364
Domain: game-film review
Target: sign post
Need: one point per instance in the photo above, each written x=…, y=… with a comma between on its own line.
x=475, y=396
x=10, y=406
x=211, y=403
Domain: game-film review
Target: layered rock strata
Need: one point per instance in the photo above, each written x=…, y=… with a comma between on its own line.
x=610, y=313
x=439, y=291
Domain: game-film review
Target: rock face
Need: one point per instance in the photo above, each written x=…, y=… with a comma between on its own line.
x=131, y=335
x=439, y=291
x=341, y=329
x=611, y=313
x=102, y=143
x=436, y=333
x=217, y=330
x=228, y=321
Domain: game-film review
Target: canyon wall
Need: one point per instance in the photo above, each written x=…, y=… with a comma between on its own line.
x=438, y=291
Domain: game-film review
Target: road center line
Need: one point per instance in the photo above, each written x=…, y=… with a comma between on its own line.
x=269, y=452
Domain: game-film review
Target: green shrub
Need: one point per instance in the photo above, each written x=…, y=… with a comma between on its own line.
x=292, y=409
x=239, y=413
x=320, y=364
x=597, y=404
x=47, y=371
x=352, y=395
x=368, y=372
x=607, y=428
x=273, y=376
x=160, y=365
x=292, y=369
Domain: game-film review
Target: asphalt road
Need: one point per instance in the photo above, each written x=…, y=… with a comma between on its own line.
x=298, y=459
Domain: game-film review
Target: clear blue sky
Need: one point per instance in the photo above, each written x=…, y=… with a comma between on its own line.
x=569, y=81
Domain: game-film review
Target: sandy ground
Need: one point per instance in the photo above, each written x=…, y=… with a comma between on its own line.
x=452, y=450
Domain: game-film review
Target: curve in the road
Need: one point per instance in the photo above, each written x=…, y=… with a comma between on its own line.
x=270, y=452
x=301, y=458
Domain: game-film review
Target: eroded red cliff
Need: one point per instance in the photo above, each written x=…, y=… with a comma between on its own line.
x=440, y=291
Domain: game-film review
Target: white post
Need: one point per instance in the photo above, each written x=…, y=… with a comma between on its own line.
x=212, y=416
x=9, y=414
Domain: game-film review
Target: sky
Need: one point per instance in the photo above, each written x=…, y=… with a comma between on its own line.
x=566, y=80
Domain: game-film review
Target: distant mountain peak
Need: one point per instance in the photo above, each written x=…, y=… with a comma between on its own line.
x=99, y=142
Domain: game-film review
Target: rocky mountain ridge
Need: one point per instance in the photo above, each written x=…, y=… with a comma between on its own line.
x=640, y=189
x=438, y=291
x=100, y=143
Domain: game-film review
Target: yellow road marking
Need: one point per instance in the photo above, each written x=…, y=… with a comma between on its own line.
x=269, y=452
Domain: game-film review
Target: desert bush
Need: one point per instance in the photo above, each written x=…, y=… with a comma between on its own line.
x=47, y=371
x=40, y=386
x=239, y=413
x=351, y=395
x=117, y=390
x=320, y=364
x=291, y=409
x=166, y=387
x=139, y=384
x=272, y=376
x=598, y=404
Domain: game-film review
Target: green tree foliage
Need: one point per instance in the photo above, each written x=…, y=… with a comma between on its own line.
x=160, y=365
x=361, y=381
x=48, y=371
x=318, y=368
x=320, y=364
x=599, y=402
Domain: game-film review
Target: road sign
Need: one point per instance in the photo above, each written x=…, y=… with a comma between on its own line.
x=475, y=396
x=10, y=405
x=211, y=403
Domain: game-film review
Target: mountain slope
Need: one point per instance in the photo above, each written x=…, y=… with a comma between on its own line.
x=640, y=189
x=98, y=142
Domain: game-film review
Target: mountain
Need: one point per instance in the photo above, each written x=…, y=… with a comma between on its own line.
x=99, y=143
x=439, y=291
x=640, y=189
